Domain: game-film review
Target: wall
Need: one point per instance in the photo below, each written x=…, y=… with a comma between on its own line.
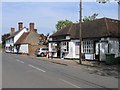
x=11, y=41
x=24, y=48
x=114, y=46
x=76, y=51
x=8, y=43
x=51, y=48
x=71, y=50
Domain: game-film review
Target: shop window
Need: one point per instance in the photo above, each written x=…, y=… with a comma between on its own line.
x=87, y=46
x=65, y=46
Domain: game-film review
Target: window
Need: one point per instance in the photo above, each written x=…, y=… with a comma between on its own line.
x=87, y=46
x=65, y=46
x=77, y=43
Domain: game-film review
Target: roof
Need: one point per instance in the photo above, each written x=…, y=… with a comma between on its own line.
x=29, y=38
x=13, y=34
x=22, y=38
x=97, y=28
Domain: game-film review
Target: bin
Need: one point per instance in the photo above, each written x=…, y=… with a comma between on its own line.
x=110, y=59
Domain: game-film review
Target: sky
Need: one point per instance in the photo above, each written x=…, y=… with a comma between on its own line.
x=46, y=14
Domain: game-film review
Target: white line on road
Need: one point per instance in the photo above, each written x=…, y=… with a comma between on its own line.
x=36, y=68
x=19, y=61
x=70, y=83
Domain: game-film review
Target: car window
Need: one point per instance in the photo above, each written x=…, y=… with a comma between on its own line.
x=45, y=49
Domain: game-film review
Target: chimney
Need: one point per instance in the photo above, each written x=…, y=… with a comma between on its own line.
x=31, y=27
x=12, y=30
x=20, y=25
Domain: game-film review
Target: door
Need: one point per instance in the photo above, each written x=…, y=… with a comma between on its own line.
x=103, y=50
x=58, y=50
x=97, y=51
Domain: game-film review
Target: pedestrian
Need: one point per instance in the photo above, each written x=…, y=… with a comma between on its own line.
x=47, y=54
x=63, y=55
x=52, y=53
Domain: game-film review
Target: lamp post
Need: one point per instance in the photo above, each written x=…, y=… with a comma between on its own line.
x=80, y=32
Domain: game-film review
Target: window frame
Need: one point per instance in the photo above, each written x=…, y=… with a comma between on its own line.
x=88, y=46
x=65, y=46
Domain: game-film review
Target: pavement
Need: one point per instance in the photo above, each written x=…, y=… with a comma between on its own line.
x=92, y=67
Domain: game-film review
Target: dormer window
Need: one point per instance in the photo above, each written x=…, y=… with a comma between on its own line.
x=67, y=37
x=50, y=39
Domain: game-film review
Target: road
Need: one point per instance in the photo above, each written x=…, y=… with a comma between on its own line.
x=29, y=72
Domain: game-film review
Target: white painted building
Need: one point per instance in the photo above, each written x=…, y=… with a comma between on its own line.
x=100, y=37
x=12, y=39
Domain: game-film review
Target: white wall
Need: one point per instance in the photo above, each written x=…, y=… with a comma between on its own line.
x=8, y=44
x=50, y=49
x=71, y=50
x=114, y=46
x=13, y=40
x=87, y=56
x=24, y=48
x=103, y=50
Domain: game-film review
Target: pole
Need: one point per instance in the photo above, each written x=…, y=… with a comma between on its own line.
x=80, y=46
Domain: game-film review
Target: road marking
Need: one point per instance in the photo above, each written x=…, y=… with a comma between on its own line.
x=20, y=61
x=36, y=68
x=70, y=83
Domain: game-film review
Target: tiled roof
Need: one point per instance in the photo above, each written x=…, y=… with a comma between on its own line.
x=97, y=28
x=13, y=34
x=22, y=38
x=29, y=38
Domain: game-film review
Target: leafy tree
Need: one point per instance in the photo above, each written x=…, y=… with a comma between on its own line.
x=90, y=18
x=105, y=1
x=62, y=23
x=4, y=37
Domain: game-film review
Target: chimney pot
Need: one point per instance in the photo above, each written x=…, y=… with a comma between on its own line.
x=12, y=30
x=31, y=27
x=20, y=25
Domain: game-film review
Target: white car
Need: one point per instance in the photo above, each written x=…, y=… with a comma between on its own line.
x=41, y=52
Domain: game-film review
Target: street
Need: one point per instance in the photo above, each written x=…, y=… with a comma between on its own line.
x=20, y=71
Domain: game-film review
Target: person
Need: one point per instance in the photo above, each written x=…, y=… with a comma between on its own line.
x=47, y=54
x=63, y=55
x=52, y=53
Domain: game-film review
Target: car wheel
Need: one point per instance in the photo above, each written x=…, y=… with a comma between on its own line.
x=42, y=54
x=37, y=55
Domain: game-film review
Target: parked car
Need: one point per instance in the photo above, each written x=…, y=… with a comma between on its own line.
x=41, y=52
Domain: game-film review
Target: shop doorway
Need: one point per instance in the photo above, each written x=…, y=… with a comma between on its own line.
x=58, y=50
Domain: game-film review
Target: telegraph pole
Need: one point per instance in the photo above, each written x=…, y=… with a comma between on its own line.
x=80, y=37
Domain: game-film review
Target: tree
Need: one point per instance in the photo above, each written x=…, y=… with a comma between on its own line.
x=90, y=18
x=62, y=23
x=105, y=1
x=4, y=37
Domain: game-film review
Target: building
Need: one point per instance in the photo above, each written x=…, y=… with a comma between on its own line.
x=100, y=37
x=29, y=41
x=14, y=36
x=24, y=41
